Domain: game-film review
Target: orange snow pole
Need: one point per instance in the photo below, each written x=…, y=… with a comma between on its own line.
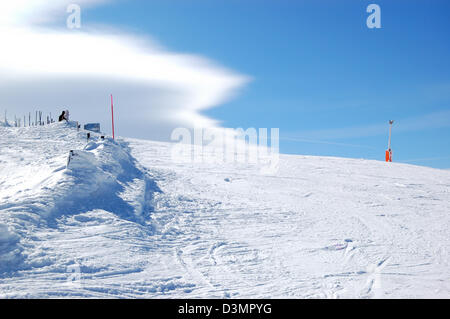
x=112, y=115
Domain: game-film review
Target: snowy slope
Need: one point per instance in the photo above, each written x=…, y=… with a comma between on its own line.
x=124, y=220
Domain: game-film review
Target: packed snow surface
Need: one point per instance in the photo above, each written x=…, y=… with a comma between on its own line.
x=124, y=220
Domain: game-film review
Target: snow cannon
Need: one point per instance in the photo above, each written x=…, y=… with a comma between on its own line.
x=389, y=155
x=389, y=150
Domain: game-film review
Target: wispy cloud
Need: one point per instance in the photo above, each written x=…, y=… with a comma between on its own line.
x=33, y=12
x=432, y=120
x=425, y=159
x=156, y=90
x=302, y=140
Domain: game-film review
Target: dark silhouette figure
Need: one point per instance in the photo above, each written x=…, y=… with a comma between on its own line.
x=62, y=117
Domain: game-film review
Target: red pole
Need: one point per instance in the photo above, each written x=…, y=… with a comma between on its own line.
x=112, y=115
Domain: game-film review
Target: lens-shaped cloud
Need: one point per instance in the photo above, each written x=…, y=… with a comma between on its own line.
x=53, y=69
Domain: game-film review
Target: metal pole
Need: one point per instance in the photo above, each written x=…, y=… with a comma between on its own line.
x=390, y=134
x=389, y=151
x=112, y=115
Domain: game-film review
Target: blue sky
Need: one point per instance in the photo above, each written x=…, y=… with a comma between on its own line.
x=317, y=72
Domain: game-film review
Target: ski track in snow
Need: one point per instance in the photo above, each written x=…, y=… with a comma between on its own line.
x=125, y=221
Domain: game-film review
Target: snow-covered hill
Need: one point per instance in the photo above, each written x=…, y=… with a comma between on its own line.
x=124, y=220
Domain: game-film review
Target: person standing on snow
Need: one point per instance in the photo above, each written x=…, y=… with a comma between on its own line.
x=63, y=116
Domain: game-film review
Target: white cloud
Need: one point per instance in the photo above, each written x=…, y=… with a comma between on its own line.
x=434, y=120
x=29, y=12
x=51, y=69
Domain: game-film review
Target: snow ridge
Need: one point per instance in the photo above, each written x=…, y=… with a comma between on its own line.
x=101, y=175
x=105, y=176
